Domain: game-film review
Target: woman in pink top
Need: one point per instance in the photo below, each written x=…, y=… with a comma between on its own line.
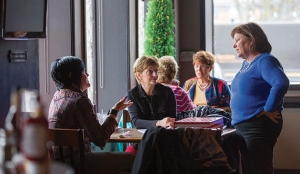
x=166, y=75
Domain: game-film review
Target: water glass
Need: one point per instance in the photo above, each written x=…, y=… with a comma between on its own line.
x=101, y=117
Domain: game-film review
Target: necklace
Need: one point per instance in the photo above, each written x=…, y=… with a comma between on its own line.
x=203, y=87
x=246, y=65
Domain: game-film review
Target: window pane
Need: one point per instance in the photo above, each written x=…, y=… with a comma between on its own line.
x=141, y=24
x=279, y=19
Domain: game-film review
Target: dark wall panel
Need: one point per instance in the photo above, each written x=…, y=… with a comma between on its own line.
x=188, y=15
x=25, y=74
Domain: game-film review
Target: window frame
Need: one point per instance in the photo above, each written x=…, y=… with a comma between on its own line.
x=291, y=99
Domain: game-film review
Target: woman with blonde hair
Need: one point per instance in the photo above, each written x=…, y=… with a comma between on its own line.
x=153, y=103
x=166, y=76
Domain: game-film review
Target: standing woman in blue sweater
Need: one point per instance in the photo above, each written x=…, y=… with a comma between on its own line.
x=257, y=93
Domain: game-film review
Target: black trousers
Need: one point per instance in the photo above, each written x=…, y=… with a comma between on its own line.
x=231, y=149
x=257, y=138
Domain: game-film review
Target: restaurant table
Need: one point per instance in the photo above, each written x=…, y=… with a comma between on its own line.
x=136, y=135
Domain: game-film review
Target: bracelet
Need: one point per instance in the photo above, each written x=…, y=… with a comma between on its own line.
x=113, y=112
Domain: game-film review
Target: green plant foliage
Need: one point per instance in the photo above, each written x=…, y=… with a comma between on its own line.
x=159, y=29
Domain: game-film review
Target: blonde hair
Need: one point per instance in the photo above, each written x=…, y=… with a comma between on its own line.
x=167, y=70
x=143, y=63
x=204, y=57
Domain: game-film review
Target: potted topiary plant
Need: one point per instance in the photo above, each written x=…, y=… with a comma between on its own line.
x=159, y=28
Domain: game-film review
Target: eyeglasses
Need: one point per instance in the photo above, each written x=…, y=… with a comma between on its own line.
x=150, y=72
x=201, y=66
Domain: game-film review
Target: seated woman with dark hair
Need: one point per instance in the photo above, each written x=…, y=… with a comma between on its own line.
x=71, y=108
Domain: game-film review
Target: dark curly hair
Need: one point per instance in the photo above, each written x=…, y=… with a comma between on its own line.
x=66, y=72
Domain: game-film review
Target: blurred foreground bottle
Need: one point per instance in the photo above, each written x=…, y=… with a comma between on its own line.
x=23, y=140
x=8, y=137
x=35, y=135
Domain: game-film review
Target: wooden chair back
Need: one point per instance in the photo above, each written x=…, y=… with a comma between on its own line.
x=68, y=138
x=126, y=118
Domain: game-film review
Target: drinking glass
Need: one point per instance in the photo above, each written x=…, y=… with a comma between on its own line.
x=101, y=117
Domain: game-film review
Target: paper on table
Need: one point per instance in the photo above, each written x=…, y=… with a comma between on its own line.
x=142, y=130
x=125, y=135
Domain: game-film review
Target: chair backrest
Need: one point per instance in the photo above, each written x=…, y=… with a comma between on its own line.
x=126, y=118
x=68, y=138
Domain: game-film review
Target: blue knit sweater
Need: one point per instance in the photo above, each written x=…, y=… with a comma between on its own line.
x=261, y=86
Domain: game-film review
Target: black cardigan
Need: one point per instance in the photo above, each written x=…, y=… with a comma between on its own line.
x=181, y=151
x=146, y=110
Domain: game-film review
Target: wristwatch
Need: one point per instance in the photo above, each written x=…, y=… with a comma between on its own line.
x=113, y=112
